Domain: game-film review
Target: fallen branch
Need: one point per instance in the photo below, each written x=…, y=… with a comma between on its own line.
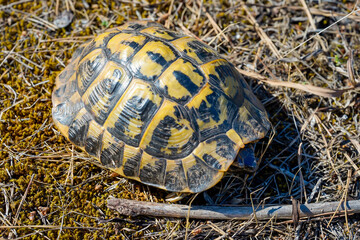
x=136, y=208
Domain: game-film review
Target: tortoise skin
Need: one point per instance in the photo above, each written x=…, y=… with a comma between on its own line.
x=157, y=106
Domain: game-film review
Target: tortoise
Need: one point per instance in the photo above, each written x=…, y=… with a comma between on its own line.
x=159, y=107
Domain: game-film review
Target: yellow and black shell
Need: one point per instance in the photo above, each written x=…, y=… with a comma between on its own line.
x=157, y=106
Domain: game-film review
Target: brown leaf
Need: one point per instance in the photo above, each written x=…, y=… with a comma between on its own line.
x=44, y=210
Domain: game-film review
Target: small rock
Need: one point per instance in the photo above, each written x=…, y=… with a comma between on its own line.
x=64, y=19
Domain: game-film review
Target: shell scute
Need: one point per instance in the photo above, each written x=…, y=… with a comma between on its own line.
x=226, y=78
x=195, y=50
x=112, y=151
x=123, y=46
x=217, y=152
x=89, y=67
x=131, y=162
x=170, y=133
x=250, y=123
x=213, y=112
x=152, y=170
x=151, y=60
x=79, y=127
x=105, y=91
x=199, y=175
x=175, y=178
x=133, y=112
x=66, y=108
x=180, y=81
x=93, y=140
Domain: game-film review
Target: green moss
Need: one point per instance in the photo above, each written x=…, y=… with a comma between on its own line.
x=27, y=128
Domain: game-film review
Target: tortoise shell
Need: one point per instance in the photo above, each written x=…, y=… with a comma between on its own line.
x=157, y=106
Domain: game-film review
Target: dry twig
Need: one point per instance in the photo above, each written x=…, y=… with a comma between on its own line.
x=320, y=91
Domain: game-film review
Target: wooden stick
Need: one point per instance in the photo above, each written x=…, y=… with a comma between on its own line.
x=136, y=208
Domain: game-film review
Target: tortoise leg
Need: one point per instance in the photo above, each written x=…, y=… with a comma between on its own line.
x=246, y=158
x=175, y=196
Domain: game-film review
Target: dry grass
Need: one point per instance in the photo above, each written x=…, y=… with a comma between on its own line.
x=51, y=190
